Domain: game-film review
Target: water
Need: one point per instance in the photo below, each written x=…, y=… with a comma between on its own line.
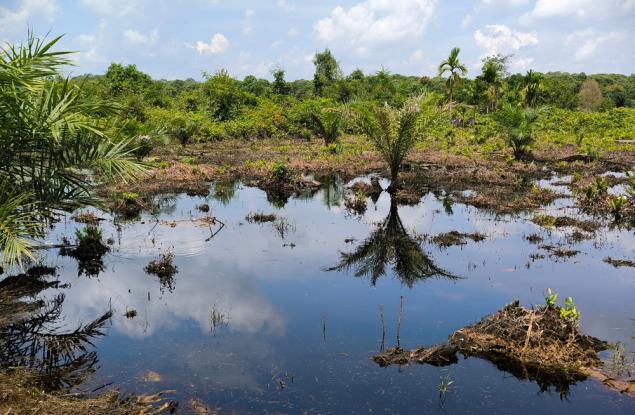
x=295, y=338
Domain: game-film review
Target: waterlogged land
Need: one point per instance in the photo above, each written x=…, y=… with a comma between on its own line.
x=240, y=301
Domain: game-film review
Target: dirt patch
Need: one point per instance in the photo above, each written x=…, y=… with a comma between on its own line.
x=547, y=221
x=619, y=262
x=453, y=238
x=535, y=344
x=500, y=185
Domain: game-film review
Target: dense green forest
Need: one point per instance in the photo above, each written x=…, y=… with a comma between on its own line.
x=581, y=107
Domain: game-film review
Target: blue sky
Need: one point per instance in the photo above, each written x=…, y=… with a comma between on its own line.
x=182, y=38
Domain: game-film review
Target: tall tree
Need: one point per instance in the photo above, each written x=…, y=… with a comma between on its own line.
x=532, y=83
x=492, y=73
x=454, y=68
x=590, y=95
x=279, y=85
x=327, y=71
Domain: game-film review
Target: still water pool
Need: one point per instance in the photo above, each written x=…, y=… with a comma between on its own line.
x=254, y=321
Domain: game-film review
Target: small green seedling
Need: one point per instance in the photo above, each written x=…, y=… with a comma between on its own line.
x=569, y=312
x=551, y=298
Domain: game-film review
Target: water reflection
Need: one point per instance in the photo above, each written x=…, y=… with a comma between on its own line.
x=30, y=334
x=224, y=191
x=390, y=244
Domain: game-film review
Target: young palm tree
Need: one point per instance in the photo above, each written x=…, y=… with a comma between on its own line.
x=394, y=132
x=55, y=144
x=516, y=124
x=454, y=68
x=327, y=124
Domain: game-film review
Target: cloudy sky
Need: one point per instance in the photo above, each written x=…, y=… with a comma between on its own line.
x=182, y=38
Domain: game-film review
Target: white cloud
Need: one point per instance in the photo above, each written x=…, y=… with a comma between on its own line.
x=248, y=21
x=594, y=9
x=293, y=32
x=502, y=39
x=588, y=41
x=137, y=38
x=467, y=21
x=374, y=22
x=522, y=64
x=218, y=44
x=18, y=18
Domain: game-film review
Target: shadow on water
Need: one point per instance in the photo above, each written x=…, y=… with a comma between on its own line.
x=31, y=334
x=391, y=245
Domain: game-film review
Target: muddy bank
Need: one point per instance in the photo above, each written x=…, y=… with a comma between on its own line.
x=535, y=344
x=498, y=184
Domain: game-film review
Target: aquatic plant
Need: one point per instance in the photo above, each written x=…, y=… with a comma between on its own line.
x=163, y=268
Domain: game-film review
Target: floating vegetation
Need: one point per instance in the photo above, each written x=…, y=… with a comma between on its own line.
x=560, y=251
x=534, y=238
x=356, y=204
x=456, y=238
x=87, y=217
x=130, y=314
x=164, y=269
x=203, y=208
x=619, y=262
x=372, y=190
x=535, y=344
x=89, y=251
x=547, y=221
x=260, y=217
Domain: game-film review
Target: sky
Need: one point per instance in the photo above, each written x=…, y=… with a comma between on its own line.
x=178, y=39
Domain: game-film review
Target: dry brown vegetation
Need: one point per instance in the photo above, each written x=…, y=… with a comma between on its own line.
x=535, y=344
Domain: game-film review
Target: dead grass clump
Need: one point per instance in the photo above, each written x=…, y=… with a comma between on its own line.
x=87, y=217
x=260, y=217
x=547, y=221
x=619, y=262
x=20, y=394
x=453, y=238
x=164, y=269
x=559, y=251
x=356, y=204
x=129, y=205
x=534, y=238
x=203, y=208
x=372, y=190
x=536, y=344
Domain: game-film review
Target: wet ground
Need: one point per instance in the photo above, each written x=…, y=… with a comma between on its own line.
x=255, y=322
